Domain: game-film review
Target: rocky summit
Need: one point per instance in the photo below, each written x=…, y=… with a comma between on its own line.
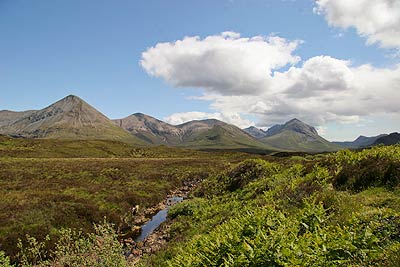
x=296, y=135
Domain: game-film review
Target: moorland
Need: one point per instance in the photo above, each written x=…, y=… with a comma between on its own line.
x=76, y=188
x=65, y=206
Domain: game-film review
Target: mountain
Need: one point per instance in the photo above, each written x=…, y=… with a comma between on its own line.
x=295, y=135
x=255, y=132
x=68, y=118
x=273, y=130
x=201, y=134
x=213, y=133
x=7, y=117
x=391, y=139
x=150, y=129
x=361, y=141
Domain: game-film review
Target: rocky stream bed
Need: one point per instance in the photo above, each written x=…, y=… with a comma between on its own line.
x=150, y=230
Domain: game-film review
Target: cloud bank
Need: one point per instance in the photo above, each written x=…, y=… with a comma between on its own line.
x=243, y=77
x=376, y=20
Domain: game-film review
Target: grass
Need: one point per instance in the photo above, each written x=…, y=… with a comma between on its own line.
x=46, y=185
x=338, y=209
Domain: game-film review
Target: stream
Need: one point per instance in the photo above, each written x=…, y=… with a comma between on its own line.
x=157, y=219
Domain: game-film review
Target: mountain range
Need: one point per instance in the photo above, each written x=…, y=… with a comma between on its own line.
x=68, y=118
x=294, y=135
x=361, y=141
x=73, y=118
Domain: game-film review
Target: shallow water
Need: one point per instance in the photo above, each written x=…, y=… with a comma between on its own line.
x=157, y=219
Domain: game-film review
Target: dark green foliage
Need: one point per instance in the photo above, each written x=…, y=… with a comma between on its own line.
x=359, y=172
x=266, y=214
x=238, y=177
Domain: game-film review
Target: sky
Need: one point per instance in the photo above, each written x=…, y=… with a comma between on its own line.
x=334, y=64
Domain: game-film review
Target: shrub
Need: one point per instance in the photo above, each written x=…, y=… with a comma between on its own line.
x=4, y=260
x=238, y=177
x=75, y=249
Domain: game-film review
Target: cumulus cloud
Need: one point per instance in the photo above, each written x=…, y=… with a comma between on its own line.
x=377, y=20
x=231, y=118
x=318, y=75
x=320, y=90
x=226, y=64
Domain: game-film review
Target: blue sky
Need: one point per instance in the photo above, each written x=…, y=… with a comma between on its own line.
x=93, y=49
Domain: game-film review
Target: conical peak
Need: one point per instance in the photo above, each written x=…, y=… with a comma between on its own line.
x=72, y=98
x=295, y=121
x=299, y=126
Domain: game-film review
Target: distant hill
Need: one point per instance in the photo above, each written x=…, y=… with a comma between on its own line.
x=391, y=139
x=68, y=118
x=295, y=135
x=361, y=141
x=255, y=132
x=72, y=118
x=213, y=133
x=150, y=129
x=200, y=134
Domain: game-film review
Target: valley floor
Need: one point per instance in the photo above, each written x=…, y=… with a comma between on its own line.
x=338, y=209
x=48, y=185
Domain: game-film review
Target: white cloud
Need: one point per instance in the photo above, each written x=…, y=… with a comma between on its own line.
x=321, y=90
x=318, y=75
x=377, y=20
x=231, y=118
x=322, y=130
x=225, y=64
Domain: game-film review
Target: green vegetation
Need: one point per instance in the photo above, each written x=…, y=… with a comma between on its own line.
x=293, y=141
x=56, y=148
x=72, y=248
x=297, y=213
x=48, y=185
x=339, y=209
x=222, y=137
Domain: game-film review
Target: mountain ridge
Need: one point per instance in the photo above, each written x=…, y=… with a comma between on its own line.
x=68, y=118
x=390, y=139
x=208, y=133
x=295, y=135
x=73, y=118
x=361, y=141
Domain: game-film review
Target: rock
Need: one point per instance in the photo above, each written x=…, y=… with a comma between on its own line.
x=135, y=210
x=136, y=252
x=132, y=233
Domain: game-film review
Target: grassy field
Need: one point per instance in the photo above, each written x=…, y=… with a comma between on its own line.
x=46, y=185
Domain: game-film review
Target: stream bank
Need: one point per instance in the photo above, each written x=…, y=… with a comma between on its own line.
x=150, y=235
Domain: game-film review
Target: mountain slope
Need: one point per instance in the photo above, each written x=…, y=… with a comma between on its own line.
x=213, y=133
x=150, y=129
x=7, y=117
x=387, y=140
x=297, y=136
x=68, y=118
x=200, y=134
x=255, y=132
x=361, y=141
